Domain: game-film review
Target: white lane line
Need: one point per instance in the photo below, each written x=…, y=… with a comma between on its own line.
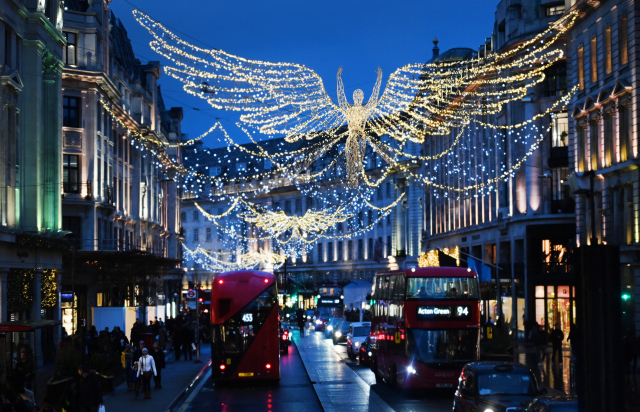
x=186, y=404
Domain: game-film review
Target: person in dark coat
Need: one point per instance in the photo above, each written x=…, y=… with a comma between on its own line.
x=556, y=340
x=158, y=356
x=301, y=321
x=187, y=339
x=177, y=343
x=137, y=353
x=89, y=392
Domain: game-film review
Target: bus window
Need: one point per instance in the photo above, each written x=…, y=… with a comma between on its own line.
x=442, y=288
x=398, y=292
x=392, y=284
x=379, y=287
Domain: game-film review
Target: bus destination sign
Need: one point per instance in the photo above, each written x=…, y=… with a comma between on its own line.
x=329, y=301
x=444, y=312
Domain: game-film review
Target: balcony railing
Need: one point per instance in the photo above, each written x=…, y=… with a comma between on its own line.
x=117, y=245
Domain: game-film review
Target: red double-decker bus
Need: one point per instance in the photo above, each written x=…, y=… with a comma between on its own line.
x=244, y=322
x=425, y=327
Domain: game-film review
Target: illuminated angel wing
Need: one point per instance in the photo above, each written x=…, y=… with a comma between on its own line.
x=275, y=98
x=433, y=98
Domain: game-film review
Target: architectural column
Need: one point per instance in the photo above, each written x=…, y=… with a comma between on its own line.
x=52, y=142
x=36, y=315
x=4, y=309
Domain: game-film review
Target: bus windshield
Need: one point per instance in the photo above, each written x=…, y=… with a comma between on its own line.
x=442, y=288
x=330, y=291
x=441, y=346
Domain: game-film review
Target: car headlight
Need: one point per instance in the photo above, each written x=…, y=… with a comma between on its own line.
x=410, y=369
x=317, y=322
x=338, y=334
x=488, y=410
x=308, y=317
x=357, y=344
x=329, y=328
x=370, y=354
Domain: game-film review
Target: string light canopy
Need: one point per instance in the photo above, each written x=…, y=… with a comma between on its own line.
x=290, y=100
x=216, y=262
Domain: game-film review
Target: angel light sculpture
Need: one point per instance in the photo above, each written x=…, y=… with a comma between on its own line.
x=287, y=99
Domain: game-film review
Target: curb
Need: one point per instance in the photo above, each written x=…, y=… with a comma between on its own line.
x=173, y=404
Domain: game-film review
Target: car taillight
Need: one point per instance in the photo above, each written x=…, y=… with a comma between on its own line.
x=284, y=337
x=268, y=366
x=222, y=367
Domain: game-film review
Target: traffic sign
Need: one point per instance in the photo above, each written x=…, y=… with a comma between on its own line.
x=191, y=294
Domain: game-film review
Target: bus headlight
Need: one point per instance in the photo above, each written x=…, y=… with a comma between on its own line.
x=357, y=344
x=338, y=334
x=370, y=354
x=410, y=369
x=317, y=322
x=329, y=328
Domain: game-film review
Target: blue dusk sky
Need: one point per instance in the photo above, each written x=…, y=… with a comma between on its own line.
x=322, y=35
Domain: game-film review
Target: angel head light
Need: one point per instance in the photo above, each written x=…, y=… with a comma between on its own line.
x=358, y=97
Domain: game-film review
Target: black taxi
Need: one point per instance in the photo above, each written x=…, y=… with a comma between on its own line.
x=495, y=387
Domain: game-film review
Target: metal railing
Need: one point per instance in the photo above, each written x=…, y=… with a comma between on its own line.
x=118, y=245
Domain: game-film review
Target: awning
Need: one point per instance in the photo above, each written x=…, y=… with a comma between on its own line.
x=27, y=325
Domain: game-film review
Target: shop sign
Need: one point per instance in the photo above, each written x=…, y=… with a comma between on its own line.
x=444, y=312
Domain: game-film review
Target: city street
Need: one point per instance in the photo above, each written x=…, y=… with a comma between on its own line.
x=294, y=393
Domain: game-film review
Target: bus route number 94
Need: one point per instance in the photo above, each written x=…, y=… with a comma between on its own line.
x=463, y=311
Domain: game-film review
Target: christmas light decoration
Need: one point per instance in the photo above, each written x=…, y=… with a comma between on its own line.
x=290, y=100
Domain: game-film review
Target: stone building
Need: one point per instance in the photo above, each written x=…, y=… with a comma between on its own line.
x=602, y=52
x=31, y=245
x=523, y=228
x=119, y=201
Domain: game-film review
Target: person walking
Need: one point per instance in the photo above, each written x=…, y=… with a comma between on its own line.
x=301, y=322
x=146, y=369
x=128, y=365
x=187, y=340
x=137, y=353
x=556, y=340
x=158, y=357
x=542, y=342
x=89, y=392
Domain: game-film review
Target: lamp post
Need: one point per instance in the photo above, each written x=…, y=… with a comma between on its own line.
x=197, y=282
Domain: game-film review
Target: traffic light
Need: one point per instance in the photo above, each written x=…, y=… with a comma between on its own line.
x=626, y=297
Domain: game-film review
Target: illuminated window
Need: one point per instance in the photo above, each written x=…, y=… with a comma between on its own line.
x=607, y=50
x=622, y=41
x=608, y=139
x=625, y=141
x=69, y=53
x=581, y=67
x=594, y=60
x=554, y=10
x=594, y=143
x=582, y=148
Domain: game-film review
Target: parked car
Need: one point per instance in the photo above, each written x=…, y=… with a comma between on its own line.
x=358, y=332
x=340, y=332
x=331, y=325
x=364, y=354
x=554, y=404
x=496, y=386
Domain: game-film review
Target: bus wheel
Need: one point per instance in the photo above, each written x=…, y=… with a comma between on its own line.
x=394, y=377
x=374, y=369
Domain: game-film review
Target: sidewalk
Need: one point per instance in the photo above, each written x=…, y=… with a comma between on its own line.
x=175, y=377
x=338, y=387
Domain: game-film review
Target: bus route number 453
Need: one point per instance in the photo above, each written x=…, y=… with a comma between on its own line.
x=247, y=317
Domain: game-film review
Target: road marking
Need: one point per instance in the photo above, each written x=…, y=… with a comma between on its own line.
x=186, y=403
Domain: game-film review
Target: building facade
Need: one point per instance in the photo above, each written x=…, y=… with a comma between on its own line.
x=602, y=52
x=523, y=227
x=120, y=201
x=31, y=244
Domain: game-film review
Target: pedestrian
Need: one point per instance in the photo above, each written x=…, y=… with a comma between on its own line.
x=177, y=343
x=187, y=339
x=128, y=365
x=135, y=379
x=137, y=353
x=69, y=400
x=542, y=342
x=146, y=368
x=556, y=340
x=89, y=392
x=301, y=322
x=158, y=357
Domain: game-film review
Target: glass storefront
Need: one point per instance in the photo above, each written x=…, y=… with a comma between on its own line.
x=555, y=305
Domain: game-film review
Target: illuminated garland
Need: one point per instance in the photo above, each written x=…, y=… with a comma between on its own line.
x=49, y=288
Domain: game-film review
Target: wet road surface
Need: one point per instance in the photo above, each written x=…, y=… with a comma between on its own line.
x=294, y=393
x=401, y=401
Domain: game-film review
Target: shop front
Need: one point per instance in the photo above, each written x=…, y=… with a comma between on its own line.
x=555, y=304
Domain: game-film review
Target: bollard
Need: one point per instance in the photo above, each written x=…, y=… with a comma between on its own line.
x=572, y=376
